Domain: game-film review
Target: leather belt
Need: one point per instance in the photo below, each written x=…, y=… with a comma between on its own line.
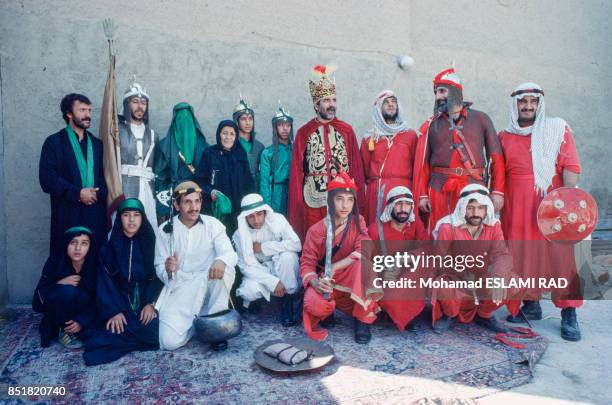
x=459, y=171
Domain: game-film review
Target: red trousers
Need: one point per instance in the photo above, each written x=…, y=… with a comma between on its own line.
x=402, y=312
x=317, y=308
x=464, y=310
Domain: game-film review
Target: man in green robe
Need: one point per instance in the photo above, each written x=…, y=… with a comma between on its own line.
x=276, y=162
x=177, y=155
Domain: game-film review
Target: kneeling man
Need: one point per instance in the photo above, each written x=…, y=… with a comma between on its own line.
x=267, y=250
x=195, y=260
x=472, y=220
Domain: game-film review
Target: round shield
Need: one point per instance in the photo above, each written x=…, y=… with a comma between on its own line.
x=321, y=355
x=567, y=215
x=218, y=327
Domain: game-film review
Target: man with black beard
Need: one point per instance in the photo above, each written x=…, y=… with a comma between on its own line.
x=323, y=147
x=398, y=224
x=70, y=171
x=457, y=146
x=387, y=151
x=138, y=141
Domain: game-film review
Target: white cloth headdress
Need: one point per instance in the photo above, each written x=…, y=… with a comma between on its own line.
x=470, y=192
x=250, y=204
x=397, y=194
x=381, y=128
x=546, y=135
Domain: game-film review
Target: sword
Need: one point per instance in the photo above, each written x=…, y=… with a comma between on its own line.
x=522, y=314
x=381, y=235
x=169, y=228
x=328, y=252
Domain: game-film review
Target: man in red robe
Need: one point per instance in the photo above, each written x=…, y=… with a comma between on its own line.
x=540, y=156
x=343, y=288
x=457, y=146
x=387, y=151
x=323, y=147
x=398, y=224
x=472, y=220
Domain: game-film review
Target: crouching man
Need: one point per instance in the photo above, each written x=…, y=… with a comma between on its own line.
x=195, y=260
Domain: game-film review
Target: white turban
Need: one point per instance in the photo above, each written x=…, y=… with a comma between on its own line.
x=546, y=135
x=397, y=194
x=470, y=192
x=381, y=128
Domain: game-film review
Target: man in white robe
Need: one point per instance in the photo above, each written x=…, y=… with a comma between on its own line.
x=195, y=260
x=267, y=250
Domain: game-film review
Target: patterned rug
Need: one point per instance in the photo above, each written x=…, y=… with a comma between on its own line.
x=464, y=363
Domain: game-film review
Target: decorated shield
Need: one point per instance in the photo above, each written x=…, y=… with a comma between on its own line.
x=567, y=215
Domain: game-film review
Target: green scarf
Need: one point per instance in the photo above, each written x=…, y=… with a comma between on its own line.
x=184, y=129
x=86, y=168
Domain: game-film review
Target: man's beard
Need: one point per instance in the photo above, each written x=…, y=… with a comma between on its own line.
x=453, y=101
x=328, y=113
x=526, y=122
x=136, y=118
x=474, y=221
x=390, y=117
x=82, y=123
x=403, y=219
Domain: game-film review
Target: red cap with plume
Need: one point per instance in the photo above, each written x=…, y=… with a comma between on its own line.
x=448, y=77
x=342, y=181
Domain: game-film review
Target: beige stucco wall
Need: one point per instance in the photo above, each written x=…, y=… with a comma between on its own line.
x=206, y=52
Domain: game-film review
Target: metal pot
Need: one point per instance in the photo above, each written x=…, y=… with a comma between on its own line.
x=215, y=328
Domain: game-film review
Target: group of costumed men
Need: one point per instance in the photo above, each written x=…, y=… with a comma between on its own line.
x=200, y=224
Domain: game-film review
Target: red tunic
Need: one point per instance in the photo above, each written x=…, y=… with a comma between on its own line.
x=348, y=295
x=299, y=214
x=401, y=312
x=462, y=304
x=434, y=150
x=521, y=204
x=390, y=163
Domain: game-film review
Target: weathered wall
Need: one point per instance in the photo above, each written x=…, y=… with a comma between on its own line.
x=207, y=52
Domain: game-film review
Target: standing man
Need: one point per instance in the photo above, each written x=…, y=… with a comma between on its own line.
x=457, y=146
x=267, y=251
x=387, y=151
x=70, y=171
x=276, y=163
x=195, y=260
x=244, y=117
x=178, y=155
x=138, y=141
x=324, y=147
x=540, y=156
x=397, y=222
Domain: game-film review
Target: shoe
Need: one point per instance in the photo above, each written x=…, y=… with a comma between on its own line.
x=362, y=332
x=532, y=311
x=491, y=324
x=569, y=325
x=415, y=324
x=70, y=340
x=328, y=322
x=219, y=346
x=255, y=307
x=48, y=332
x=287, y=318
x=443, y=324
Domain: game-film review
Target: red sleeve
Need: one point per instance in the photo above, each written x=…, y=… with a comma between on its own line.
x=421, y=170
x=498, y=174
x=494, y=152
x=312, y=252
x=363, y=235
x=445, y=232
x=568, y=155
x=366, y=156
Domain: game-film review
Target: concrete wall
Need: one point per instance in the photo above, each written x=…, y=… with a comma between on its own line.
x=206, y=52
